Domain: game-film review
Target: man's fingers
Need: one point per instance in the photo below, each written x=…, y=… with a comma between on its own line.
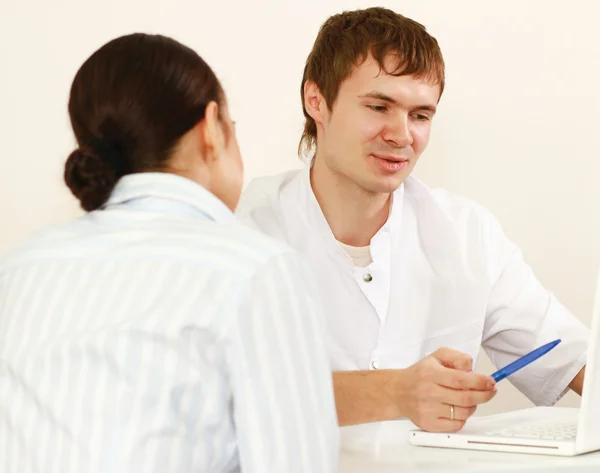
x=443, y=422
x=453, y=359
x=456, y=379
x=466, y=398
x=460, y=413
x=443, y=425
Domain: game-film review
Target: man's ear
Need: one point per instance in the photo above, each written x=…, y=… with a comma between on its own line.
x=209, y=129
x=314, y=102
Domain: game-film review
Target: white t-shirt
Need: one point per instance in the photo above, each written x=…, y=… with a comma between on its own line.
x=360, y=255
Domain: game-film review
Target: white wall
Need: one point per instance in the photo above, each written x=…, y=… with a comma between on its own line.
x=516, y=130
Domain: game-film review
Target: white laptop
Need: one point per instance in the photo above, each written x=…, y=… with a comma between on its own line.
x=542, y=430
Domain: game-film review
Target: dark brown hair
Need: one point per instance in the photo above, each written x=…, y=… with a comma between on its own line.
x=130, y=103
x=346, y=39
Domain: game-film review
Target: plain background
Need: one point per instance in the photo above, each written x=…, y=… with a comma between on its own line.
x=517, y=128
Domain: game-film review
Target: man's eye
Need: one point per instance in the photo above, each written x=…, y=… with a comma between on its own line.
x=378, y=108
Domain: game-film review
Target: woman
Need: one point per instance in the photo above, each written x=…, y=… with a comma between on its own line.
x=155, y=333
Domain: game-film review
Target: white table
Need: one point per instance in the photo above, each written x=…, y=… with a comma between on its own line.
x=385, y=449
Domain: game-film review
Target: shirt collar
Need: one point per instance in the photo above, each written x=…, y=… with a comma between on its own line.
x=171, y=187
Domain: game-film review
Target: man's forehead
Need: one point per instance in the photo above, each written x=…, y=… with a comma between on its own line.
x=369, y=77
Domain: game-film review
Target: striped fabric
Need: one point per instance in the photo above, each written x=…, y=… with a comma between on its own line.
x=159, y=335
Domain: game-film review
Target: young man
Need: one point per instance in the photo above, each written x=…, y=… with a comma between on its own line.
x=414, y=281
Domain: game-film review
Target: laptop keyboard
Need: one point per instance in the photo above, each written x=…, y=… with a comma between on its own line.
x=560, y=431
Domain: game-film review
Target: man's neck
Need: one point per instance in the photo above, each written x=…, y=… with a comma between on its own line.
x=353, y=214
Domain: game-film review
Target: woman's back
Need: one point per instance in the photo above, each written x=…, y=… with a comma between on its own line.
x=124, y=334
x=157, y=334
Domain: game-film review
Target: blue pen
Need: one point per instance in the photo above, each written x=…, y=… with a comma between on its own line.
x=524, y=361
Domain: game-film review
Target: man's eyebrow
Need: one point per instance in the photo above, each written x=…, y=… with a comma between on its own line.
x=379, y=96
x=427, y=108
x=386, y=98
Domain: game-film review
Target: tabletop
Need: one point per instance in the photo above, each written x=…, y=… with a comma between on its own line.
x=384, y=448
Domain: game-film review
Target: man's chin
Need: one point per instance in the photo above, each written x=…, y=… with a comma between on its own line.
x=388, y=185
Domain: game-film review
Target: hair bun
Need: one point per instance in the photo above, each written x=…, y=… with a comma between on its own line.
x=90, y=177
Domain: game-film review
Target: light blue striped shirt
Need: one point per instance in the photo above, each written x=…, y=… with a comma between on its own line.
x=159, y=335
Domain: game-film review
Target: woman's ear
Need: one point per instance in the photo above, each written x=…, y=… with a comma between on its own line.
x=210, y=132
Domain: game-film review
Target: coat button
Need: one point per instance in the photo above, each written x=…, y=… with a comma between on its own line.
x=375, y=364
x=367, y=277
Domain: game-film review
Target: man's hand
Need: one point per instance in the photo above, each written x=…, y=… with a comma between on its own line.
x=427, y=389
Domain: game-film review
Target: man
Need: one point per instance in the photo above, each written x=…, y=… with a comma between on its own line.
x=414, y=281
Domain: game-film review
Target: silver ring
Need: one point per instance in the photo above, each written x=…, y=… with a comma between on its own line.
x=451, y=412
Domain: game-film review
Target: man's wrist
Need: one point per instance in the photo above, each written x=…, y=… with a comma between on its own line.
x=394, y=385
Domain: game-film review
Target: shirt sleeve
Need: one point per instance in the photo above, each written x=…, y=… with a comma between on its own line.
x=284, y=410
x=521, y=316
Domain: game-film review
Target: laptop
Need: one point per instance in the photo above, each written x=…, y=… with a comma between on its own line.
x=558, y=431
